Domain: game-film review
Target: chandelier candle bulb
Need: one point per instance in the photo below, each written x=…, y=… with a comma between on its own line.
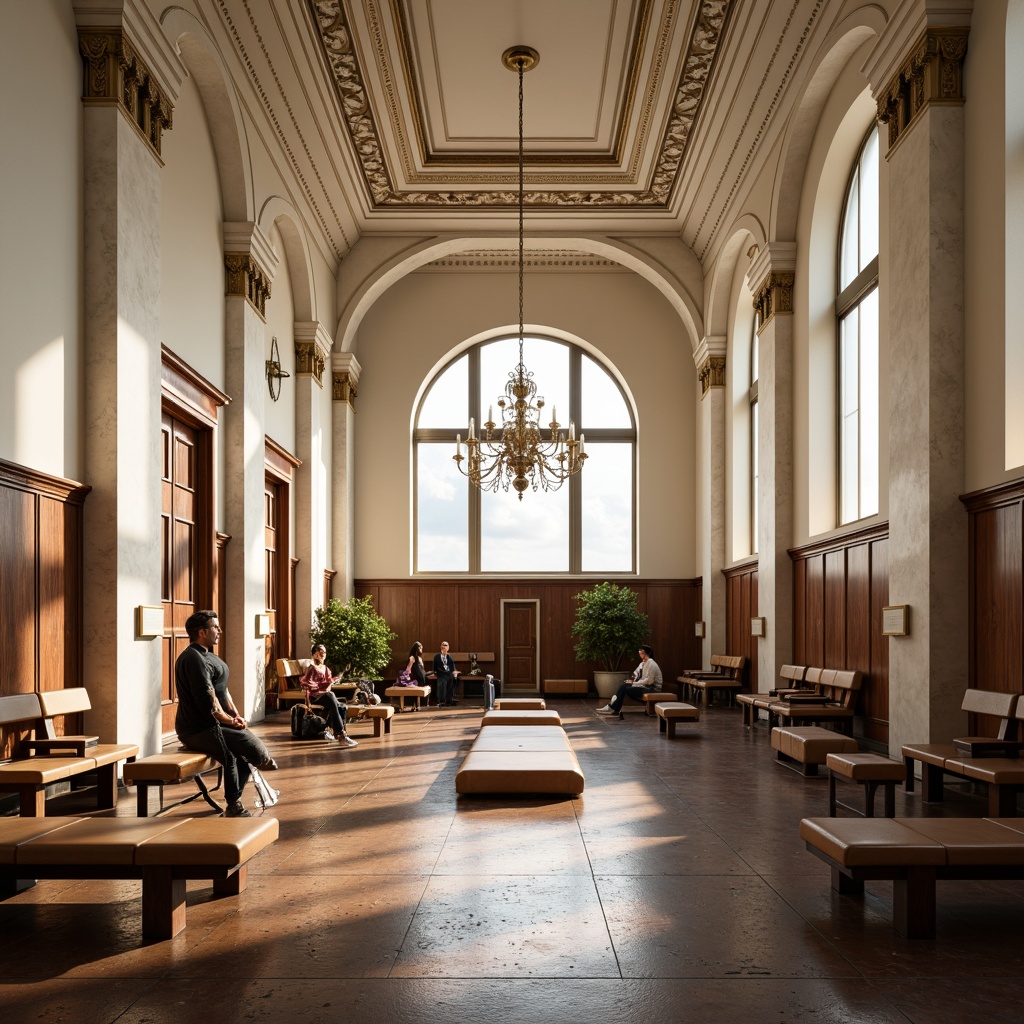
x=471, y=430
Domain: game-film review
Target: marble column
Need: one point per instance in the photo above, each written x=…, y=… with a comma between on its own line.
x=710, y=360
x=345, y=373
x=250, y=264
x=127, y=106
x=312, y=492
x=770, y=279
x=921, y=102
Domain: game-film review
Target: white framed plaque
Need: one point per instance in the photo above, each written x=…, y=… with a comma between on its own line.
x=896, y=620
x=149, y=621
x=757, y=626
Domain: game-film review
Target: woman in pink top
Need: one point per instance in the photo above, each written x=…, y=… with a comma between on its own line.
x=316, y=682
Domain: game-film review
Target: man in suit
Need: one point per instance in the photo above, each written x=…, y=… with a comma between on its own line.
x=446, y=674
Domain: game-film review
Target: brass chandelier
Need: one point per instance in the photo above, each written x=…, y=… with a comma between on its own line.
x=518, y=454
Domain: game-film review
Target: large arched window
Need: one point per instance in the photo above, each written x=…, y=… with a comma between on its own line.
x=857, y=315
x=754, y=456
x=587, y=526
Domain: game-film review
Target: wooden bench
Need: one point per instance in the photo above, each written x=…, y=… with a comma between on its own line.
x=805, y=747
x=520, y=704
x=520, y=759
x=403, y=693
x=838, y=689
x=914, y=853
x=46, y=758
x=164, y=854
x=792, y=677
x=726, y=674
x=668, y=692
x=548, y=717
x=869, y=771
x=1004, y=775
x=670, y=713
x=379, y=714
x=171, y=769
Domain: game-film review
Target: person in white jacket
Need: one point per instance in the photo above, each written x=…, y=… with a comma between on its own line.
x=646, y=679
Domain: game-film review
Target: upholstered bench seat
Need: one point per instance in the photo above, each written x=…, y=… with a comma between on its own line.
x=808, y=746
x=657, y=697
x=404, y=693
x=520, y=704
x=522, y=737
x=867, y=770
x=672, y=712
x=170, y=769
x=163, y=854
x=521, y=718
x=380, y=714
x=520, y=759
x=914, y=853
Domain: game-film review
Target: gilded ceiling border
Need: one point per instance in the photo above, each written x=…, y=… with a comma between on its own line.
x=331, y=25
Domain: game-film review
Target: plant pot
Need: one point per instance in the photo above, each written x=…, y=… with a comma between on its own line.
x=606, y=683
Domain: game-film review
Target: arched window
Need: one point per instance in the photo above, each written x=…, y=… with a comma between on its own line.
x=754, y=459
x=588, y=525
x=857, y=316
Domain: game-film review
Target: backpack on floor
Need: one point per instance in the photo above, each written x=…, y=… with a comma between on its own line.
x=307, y=725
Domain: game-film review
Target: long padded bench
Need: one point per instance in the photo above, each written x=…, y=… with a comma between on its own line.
x=46, y=758
x=525, y=717
x=164, y=854
x=520, y=759
x=915, y=853
x=1004, y=775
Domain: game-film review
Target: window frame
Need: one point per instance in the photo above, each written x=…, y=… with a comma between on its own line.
x=594, y=437
x=754, y=417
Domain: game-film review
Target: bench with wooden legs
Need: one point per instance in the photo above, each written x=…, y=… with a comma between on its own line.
x=290, y=671
x=671, y=713
x=793, y=681
x=915, y=853
x=869, y=771
x=379, y=714
x=726, y=675
x=53, y=758
x=1003, y=775
x=838, y=689
x=419, y=694
x=152, y=773
x=164, y=854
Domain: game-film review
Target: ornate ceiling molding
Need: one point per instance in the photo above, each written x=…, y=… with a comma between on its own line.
x=331, y=25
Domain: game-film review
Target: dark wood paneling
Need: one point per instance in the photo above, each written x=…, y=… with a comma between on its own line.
x=996, y=594
x=740, y=607
x=839, y=589
x=40, y=584
x=468, y=614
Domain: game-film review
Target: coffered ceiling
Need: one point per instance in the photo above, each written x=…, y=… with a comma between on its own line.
x=398, y=115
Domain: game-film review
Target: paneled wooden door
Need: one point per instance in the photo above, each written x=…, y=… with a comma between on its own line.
x=519, y=621
x=187, y=482
x=277, y=576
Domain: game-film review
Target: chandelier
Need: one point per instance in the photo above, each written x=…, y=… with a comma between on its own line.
x=515, y=452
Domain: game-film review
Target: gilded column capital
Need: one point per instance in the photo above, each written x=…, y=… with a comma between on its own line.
x=310, y=360
x=774, y=298
x=711, y=374
x=114, y=73
x=245, y=278
x=345, y=370
x=931, y=73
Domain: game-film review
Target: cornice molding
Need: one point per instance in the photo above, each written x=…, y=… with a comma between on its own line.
x=931, y=73
x=330, y=23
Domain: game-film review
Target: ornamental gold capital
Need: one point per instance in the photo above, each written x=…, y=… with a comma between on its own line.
x=246, y=279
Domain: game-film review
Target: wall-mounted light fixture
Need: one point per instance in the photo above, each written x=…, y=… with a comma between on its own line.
x=274, y=372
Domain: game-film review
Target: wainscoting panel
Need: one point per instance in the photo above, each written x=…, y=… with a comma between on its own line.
x=740, y=608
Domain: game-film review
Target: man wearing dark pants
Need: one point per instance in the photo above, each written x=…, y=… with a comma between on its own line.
x=444, y=670
x=207, y=719
x=646, y=679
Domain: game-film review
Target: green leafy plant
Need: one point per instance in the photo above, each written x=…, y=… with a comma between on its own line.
x=358, y=640
x=608, y=625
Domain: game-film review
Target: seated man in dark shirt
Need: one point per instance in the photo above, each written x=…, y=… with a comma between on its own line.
x=207, y=719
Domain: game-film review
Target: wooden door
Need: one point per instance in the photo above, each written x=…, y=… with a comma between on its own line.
x=520, y=649
x=275, y=539
x=184, y=477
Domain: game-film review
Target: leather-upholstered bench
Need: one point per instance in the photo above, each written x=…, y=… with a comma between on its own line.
x=805, y=747
x=520, y=704
x=170, y=769
x=549, y=717
x=520, y=759
x=665, y=696
x=869, y=771
x=915, y=853
x=421, y=693
x=381, y=715
x=164, y=854
x=670, y=713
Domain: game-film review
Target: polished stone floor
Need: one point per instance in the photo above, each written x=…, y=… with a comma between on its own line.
x=674, y=889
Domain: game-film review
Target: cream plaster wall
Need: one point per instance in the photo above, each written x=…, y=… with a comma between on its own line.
x=739, y=536
x=280, y=415
x=41, y=225
x=417, y=324
x=994, y=349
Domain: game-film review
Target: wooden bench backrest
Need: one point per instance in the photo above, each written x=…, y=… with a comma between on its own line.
x=812, y=677
x=840, y=685
x=793, y=673
x=734, y=665
x=64, y=702
x=998, y=705
x=19, y=707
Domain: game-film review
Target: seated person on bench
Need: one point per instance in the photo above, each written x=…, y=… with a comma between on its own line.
x=645, y=679
x=316, y=683
x=207, y=719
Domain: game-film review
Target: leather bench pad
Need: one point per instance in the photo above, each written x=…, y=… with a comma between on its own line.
x=92, y=841
x=41, y=771
x=173, y=767
x=521, y=718
x=15, y=831
x=866, y=842
x=865, y=767
x=522, y=737
x=209, y=842
x=534, y=771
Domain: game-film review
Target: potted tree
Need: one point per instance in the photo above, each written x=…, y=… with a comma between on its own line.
x=358, y=640
x=608, y=627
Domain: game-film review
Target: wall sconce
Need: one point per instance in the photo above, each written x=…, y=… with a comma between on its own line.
x=698, y=629
x=274, y=372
